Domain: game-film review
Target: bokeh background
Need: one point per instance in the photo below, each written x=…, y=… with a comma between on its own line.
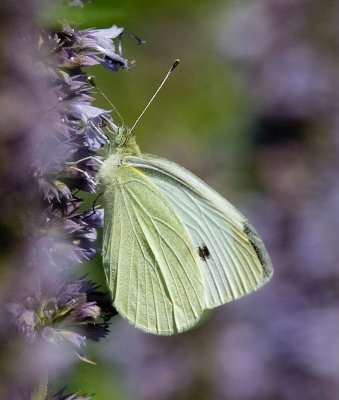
x=253, y=110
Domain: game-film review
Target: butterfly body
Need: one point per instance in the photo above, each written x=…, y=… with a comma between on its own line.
x=157, y=214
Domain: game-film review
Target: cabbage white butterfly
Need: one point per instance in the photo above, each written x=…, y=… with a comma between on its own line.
x=172, y=246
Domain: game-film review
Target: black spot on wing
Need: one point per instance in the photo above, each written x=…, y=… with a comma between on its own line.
x=203, y=252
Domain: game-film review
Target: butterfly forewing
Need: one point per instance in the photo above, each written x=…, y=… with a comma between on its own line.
x=149, y=259
x=238, y=262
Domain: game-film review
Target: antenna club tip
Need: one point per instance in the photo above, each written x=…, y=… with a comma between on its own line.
x=176, y=62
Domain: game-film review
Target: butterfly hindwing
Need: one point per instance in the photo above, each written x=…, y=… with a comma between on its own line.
x=237, y=261
x=150, y=262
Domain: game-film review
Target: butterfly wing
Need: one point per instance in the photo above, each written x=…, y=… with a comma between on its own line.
x=237, y=261
x=150, y=263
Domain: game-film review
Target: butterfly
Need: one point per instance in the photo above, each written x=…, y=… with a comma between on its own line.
x=172, y=246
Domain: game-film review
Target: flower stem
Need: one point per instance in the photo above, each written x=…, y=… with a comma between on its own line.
x=41, y=392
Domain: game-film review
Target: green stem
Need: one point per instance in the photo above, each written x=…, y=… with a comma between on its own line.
x=41, y=392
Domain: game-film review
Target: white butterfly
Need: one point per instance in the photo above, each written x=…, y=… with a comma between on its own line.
x=172, y=246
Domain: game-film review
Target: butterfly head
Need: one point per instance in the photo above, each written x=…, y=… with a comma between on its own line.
x=121, y=137
x=124, y=141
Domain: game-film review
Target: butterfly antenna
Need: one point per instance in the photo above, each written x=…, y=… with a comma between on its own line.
x=176, y=62
x=91, y=80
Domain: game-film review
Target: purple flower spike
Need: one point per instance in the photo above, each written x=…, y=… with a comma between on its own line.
x=52, y=140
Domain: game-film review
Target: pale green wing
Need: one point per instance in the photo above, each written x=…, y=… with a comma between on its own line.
x=236, y=261
x=150, y=263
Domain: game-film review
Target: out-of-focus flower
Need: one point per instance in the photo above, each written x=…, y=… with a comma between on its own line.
x=65, y=313
x=289, y=66
x=47, y=152
x=89, y=47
